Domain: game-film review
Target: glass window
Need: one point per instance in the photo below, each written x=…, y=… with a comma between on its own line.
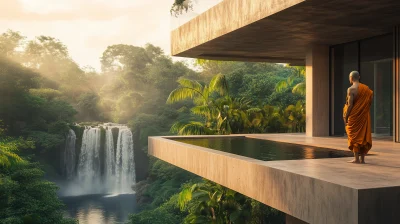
x=376, y=58
x=373, y=58
x=345, y=60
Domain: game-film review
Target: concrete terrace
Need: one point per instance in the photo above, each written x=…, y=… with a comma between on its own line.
x=382, y=168
x=312, y=190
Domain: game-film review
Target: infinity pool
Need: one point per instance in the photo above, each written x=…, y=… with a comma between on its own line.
x=264, y=149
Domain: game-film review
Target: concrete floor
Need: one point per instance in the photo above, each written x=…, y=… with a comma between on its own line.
x=320, y=191
x=382, y=168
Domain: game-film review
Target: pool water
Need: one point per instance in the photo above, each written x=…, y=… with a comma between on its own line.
x=100, y=209
x=263, y=149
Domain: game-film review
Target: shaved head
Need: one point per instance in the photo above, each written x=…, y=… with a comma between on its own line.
x=354, y=76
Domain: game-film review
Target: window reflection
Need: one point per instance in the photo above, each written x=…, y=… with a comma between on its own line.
x=373, y=58
x=376, y=71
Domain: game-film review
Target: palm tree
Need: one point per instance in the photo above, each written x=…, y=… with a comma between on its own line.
x=232, y=115
x=266, y=119
x=299, y=88
x=191, y=128
x=296, y=117
x=208, y=202
x=223, y=114
x=204, y=103
x=191, y=89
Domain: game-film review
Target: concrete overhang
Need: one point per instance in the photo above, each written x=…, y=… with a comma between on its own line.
x=280, y=31
x=316, y=191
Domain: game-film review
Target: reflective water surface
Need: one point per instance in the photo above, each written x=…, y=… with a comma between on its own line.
x=100, y=209
x=263, y=149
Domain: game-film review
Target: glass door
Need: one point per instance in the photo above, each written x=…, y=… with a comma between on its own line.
x=373, y=58
x=376, y=69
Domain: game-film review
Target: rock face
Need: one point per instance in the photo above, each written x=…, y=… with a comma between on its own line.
x=141, y=159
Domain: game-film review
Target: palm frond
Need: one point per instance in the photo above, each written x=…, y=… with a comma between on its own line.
x=206, y=94
x=299, y=104
x=219, y=84
x=190, y=128
x=181, y=93
x=177, y=126
x=290, y=80
x=184, y=197
x=201, y=61
x=256, y=122
x=253, y=110
x=202, y=110
x=289, y=109
x=193, y=84
x=244, y=102
x=300, y=88
x=301, y=70
x=280, y=86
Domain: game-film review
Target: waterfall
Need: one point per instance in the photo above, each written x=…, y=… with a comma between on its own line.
x=125, y=164
x=89, y=161
x=111, y=171
x=68, y=157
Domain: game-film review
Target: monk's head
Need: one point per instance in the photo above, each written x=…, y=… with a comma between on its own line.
x=354, y=77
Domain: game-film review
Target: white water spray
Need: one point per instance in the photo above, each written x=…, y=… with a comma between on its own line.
x=108, y=172
x=89, y=161
x=109, y=169
x=125, y=164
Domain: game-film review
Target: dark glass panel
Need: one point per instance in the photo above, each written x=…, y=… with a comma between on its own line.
x=376, y=58
x=345, y=61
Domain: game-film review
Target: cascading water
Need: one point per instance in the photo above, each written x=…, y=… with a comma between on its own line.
x=111, y=171
x=68, y=159
x=89, y=161
x=125, y=164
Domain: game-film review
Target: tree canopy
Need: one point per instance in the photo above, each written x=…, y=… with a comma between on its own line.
x=45, y=92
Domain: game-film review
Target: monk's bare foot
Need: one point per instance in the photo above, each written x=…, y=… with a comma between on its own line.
x=354, y=161
x=362, y=158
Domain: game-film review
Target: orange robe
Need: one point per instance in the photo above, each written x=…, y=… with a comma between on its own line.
x=358, y=126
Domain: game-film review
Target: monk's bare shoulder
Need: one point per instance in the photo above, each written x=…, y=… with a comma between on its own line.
x=352, y=90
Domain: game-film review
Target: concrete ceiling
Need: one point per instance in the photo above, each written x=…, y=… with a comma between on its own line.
x=282, y=34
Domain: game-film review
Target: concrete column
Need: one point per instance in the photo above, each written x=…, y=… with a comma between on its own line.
x=375, y=102
x=293, y=220
x=317, y=91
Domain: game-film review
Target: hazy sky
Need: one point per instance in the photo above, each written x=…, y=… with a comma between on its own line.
x=87, y=27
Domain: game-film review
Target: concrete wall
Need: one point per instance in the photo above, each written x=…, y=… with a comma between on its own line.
x=223, y=18
x=303, y=197
x=317, y=91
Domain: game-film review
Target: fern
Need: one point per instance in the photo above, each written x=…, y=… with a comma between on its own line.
x=9, y=148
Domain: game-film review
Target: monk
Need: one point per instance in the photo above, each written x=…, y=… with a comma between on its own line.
x=357, y=120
